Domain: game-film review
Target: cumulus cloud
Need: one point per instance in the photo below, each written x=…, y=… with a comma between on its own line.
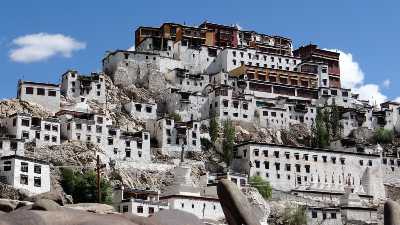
x=386, y=83
x=397, y=99
x=41, y=46
x=352, y=77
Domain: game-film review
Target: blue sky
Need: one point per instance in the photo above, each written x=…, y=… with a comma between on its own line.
x=369, y=31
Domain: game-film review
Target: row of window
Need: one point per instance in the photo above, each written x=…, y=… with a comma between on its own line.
x=24, y=167
x=13, y=145
x=300, y=179
x=278, y=166
x=236, y=115
x=25, y=135
x=242, y=63
x=305, y=157
x=138, y=108
x=257, y=57
x=235, y=104
x=139, y=209
x=40, y=91
x=27, y=123
x=37, y=181
x=314, y=214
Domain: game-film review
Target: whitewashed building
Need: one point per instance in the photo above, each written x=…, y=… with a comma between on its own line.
x=45, y=94
x=81, y=88
x=312, y=171
x=172, y=136
x=97, y=129
x=142, y=111
x=25, y=173
x=138, y=202
x=40, y=131
x=11, y=146
x=184, y=195
x=185, y=81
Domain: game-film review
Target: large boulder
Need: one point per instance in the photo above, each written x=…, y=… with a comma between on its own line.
x=46, y=205
x=56, y=197
x=391, y=213
x=7, y=205
x=92, y=207
x=235, y=205
x=174, y=217
x=61, y=217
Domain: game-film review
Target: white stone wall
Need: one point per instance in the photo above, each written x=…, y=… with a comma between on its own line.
x=317, y=168
x=141, y=207
x=326, y=216
x=142, y=111
x=193, y=109
x=47, y=100
x=14, y=175
x=10, y=146
x=231, y=58
x=200, y=207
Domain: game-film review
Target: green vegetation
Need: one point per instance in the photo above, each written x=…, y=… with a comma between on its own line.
x=327, y=126
x=82, y=186
x=228, y=142
x=262, y=186
x=214, y=128
x=383, y=136
x=294, y=215
x=175, y=116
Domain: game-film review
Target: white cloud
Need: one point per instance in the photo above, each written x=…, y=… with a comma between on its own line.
x=352, y=77
x=41, y=46
x=132, y=48
x=397, y=99
x=386, y=83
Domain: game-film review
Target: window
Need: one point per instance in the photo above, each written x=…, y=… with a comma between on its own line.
x=125, y=208
x=23, y=179
x=47, y=137
x=7, y=166
x=245, y=106
x=29, y=90
x=361, y=162
x=234, y=62
x=110, y=141
x=139, y=154
x=369, y=162
x=297, y=156
x=24, y=167
x=183, y=205
x=1, y=144
x=192, y=206
x=139, y=145
x=235, y=115
x=276, y=153
x=277, y=166
x=40, y=91
x=100, y=120
x=257, y=163
x=98, y=129
x=298, y=168
x=149, y=109
x=127, y=153
x=54, y=139
x=37, y=169
x=324, y=215
x=25, y=134
x=256, y=152
x=266, y=165
x=324, y=158
x=52, y=93
x=77, y=126
x=342, y=160
x=307, y=168
x=333, y=215
x=314, y=214
x=140, y=209
x=98, y=140
x=54, y=128
x=234, y=53
x=151, y=210
x=25, y=122
x=287, y=167
x=265, y=152
x=138, y=107
x=37, y=181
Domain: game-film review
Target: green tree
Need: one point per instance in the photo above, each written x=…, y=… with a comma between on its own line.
x=294, y=215
x=334, y=121
x=228, y=142
x=320, y=132
x=262, y=186
x=383, y=136
x=214, y=128
x=82, y=186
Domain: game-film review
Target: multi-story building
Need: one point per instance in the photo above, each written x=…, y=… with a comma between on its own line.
x=40, y=131
x=97, y=129
x=45, y=94
x=311, y=53
x=25, y=173
x=187, y=82
x=173, y=136
x=81, y=88
x=310, y=171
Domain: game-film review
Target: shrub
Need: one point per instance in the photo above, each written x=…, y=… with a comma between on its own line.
x=82, y=186
x=383, y=136
x=263, y=186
